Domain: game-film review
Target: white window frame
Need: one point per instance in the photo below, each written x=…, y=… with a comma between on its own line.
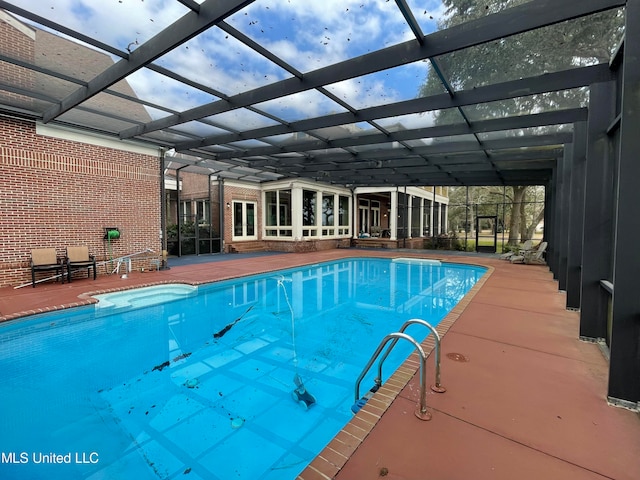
x=245, y=223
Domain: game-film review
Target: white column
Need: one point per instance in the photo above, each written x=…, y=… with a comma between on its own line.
x=336, y=212
x=352, y=221
x=353, y=206
x=422, y=200
x=319, y=214
x=432, y=211
x=296, y=213
x=393, y=215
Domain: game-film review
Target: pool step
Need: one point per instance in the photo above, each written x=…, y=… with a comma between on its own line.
x=144, y=297
x=361, y=402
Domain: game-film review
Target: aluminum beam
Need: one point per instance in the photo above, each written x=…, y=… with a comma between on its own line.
x=568, y=116
x=390, y=154
x=512, y=21
x=563, y=80
x=187, y=27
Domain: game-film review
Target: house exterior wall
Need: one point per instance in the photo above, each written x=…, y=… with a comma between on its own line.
x=194, y=186
x=57, y=192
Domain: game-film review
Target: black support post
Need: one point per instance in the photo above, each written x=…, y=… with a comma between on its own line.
x=564, y=208
x=551, y=222
x=576, y=215
x=624, y=371
x=598, y=213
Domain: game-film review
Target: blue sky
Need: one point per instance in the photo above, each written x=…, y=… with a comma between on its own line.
x=308, y=34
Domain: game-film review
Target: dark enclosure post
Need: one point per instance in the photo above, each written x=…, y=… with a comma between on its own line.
x=551, y=222
x=598, y=213
x=624, y=371
x=564, y=208
x=576, y=221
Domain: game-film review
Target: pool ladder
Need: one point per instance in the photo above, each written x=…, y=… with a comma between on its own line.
x=421, y=412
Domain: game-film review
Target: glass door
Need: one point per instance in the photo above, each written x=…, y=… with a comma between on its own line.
x=486, y=233
x=363, y=216
x=244, y=220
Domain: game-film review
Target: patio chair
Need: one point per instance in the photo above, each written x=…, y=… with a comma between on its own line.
x=78, y=258
x=45, y=259
x=531, y=256
x=526, y=246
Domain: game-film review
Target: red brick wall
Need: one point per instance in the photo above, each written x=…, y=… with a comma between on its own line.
x=55, y=192
x=306, y=245
x=195, y=186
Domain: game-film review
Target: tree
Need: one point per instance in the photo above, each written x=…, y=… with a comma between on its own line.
x=529, y=213
x=579, y=42
x=523, y=208
x=583, y=41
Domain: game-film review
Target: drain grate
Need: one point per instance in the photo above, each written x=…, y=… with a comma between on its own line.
x=458, y=357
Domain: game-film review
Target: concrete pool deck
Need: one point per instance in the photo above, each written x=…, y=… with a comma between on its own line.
x=529, y=402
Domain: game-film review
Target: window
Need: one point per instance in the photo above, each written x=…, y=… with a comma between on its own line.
x=192, y=211
x=284, y=209
x=278, y=213
x=309, y=202
x=343, y=215
x=363, y=215
x=375, y=213
x=186, y=212
x=416, y=203
x=327, y=214
x=244, y=220
x=316, y=214
x=426, y=218
x=203, y=212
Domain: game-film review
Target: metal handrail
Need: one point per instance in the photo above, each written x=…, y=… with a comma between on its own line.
x=438, y=388
x=421, y=412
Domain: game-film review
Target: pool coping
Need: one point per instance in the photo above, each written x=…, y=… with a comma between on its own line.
x=337, y=452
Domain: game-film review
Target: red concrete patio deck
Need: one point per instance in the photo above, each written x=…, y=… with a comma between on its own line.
x=529, y=402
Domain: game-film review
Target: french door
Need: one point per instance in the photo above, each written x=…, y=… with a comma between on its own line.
x=244, y=220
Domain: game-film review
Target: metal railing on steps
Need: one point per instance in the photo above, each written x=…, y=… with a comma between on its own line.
x=421, y=412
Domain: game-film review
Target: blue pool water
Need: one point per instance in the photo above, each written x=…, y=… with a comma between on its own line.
x=196, y=383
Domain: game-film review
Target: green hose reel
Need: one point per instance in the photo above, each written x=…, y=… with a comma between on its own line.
x=113, y=234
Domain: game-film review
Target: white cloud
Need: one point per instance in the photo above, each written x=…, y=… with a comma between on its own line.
x=115, y=22
x=307, y=34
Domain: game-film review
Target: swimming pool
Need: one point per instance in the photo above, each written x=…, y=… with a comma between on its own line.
x=201, y=385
